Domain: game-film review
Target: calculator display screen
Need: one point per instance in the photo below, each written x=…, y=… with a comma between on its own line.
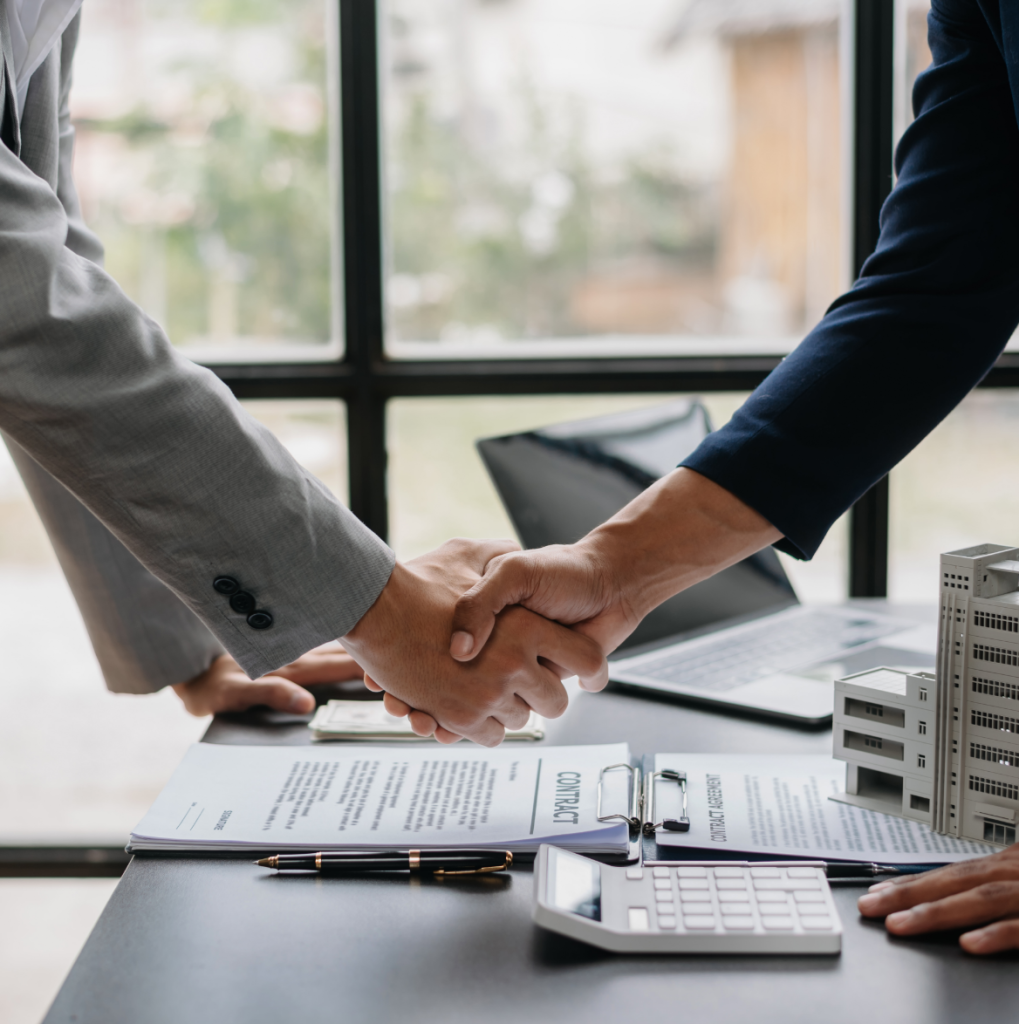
x=574, y=884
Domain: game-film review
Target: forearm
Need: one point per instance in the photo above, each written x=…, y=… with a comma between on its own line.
x=933, y=308
x=678, y=532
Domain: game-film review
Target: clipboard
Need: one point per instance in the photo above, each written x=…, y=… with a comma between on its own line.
x=640, y=813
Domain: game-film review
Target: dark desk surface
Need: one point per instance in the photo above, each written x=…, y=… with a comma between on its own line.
x=192, y=941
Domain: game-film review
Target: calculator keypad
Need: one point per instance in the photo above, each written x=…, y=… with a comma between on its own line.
x=723, y=899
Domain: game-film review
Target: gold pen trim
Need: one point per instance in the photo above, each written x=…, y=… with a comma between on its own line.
x=414, y=860
x=480, y=871
x=318, y=861
x=472, y=871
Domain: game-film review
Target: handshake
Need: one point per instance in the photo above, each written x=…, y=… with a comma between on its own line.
x=469, y=639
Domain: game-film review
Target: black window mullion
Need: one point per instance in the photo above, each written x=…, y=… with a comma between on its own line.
x=873, y=95
x=365, y=379
x=362, y=262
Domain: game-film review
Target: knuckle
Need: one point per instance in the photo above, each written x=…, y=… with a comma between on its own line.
x=491, y=737
x=998, y=891
x=517, y=718
x=460, y=720
x=557, y=702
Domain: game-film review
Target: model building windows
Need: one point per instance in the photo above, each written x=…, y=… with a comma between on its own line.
x=992, y=620
x=995, y=832
x=873, y=745
x=984, y=652
x=989, y=720
x=923, y=693
x=982, y=752
x=870, y=709
x=921, y=760
x=995, y=689
x=921, y=728
x=992, y=787
x=919, y=803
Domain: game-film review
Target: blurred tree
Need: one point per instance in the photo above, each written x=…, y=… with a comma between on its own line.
x=486, y=244
x=230, y=206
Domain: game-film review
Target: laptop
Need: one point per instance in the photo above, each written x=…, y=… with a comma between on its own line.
x=740, y=640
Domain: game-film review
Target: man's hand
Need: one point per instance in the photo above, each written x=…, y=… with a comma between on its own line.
x=225, y=686
x=680, y=531
x=403, y=644
x=974, y=892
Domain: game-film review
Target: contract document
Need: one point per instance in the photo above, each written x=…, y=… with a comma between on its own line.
x=778, y=805
x=224, y=798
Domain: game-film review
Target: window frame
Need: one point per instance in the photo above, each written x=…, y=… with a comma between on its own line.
x=366, y=379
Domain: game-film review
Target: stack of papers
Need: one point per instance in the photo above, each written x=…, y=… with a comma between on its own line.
x=368, y=720
x=227, y=798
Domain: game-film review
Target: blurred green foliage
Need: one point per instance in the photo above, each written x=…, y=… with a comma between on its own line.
x=232, y=198
x=226, y=229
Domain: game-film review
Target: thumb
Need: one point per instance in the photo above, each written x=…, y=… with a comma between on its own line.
x=505, y=583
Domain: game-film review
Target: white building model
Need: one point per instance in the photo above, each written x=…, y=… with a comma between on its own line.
x=884, y=730
x=944, y=749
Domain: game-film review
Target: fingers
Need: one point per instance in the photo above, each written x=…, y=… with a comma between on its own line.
x=445, y=736
x=506, y=582
x=277, y=693
x=957, y=896
x=330, y=664
x=371, y=684
x=572, y=654
x=238, y=693
x=976, y=906
x=423, y=724
x=398, y=708
x=903, y=893
x=995, y=938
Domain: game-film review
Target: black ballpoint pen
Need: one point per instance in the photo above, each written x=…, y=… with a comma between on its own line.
x=432, y=862
x=844, y=869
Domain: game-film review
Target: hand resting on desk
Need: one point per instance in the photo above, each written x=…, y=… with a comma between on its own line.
x=224, y=685
x=982, y=895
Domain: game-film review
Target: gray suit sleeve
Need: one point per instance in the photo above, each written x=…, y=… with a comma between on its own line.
x=158, y=450
x=144, y=637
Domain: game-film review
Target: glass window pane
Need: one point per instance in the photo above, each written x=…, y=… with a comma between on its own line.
x=912, y=55
x=77, y=763
x=610, y=175
x=956, y=488
x=202, y=160
x=439, y=488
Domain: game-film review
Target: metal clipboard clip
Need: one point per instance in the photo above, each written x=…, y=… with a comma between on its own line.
x=680, y=824
x=634, y=818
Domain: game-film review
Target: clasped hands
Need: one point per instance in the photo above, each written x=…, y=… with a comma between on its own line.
x=469, y=639
x=402, y=645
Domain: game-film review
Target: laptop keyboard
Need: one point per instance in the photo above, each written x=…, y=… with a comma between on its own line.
x=741, y=655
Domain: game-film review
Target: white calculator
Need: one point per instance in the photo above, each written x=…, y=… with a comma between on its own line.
x=687, y=907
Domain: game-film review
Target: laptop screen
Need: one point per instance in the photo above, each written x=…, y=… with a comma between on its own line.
x=559, y=482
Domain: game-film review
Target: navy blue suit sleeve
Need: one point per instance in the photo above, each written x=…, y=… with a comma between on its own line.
x=933, y=307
